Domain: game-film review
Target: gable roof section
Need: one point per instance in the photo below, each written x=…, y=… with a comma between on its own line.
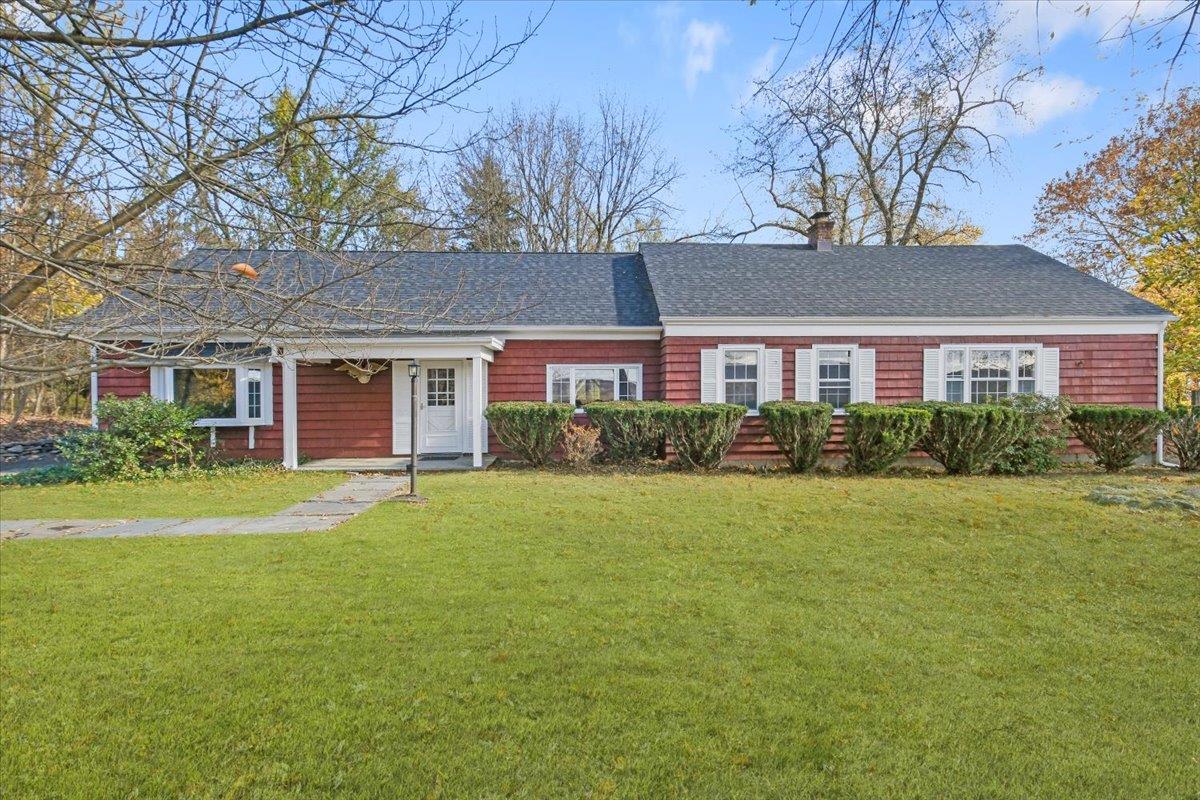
x=398, y=291
x=794, y=281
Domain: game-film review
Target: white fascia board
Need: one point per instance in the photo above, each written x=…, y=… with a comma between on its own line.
x=559, y=332
x=908, y=326
x=608, y=333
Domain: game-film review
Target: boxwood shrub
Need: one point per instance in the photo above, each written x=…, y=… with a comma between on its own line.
x=1043, y=436
x=798, y=429
x=631, y=430
x=532, y=430
x=1182, y=433
x=702, y=433
x=967, y=438
x=878, y=436
x=1116, y=434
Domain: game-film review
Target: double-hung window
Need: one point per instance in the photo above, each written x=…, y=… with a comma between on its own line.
x=986, y=373
x=741, y=370
x=220, y=394
x=834, y=381
x=580, y=384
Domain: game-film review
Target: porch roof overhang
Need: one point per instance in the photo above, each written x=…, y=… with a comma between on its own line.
x=397, y=348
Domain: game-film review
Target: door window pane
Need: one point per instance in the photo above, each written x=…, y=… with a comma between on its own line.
x=212, y=393
x=833, y=377
x=439, y=387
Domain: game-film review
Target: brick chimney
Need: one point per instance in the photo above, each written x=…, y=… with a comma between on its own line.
x=820, y=233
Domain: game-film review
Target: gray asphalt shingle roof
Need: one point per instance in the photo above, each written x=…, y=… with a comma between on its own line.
x=751, y=280
x=406, y=291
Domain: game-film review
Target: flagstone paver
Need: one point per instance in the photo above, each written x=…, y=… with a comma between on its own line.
x=323, y=512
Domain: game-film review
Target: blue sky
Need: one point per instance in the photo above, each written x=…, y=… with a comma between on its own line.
x=693, y=63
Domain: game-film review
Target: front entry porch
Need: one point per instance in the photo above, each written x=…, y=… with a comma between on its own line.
x=431, y=463
x=333, y=425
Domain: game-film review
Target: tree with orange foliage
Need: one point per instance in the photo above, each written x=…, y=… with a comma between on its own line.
x=1131, y=216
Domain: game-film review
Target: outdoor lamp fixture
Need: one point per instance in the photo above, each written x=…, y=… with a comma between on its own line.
x=414, y=372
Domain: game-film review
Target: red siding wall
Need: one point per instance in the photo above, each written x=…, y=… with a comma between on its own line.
x=519, y=371
x=338, y=417
x=1093, y=369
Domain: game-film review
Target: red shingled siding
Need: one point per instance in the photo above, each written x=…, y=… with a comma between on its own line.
x=519, y=371
x=338, y=417
x=1093, y=369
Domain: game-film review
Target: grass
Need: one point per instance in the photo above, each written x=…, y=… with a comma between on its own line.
x=546, y=635
x=235, y=493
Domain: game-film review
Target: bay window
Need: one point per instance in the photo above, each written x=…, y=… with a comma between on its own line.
x=580, y=384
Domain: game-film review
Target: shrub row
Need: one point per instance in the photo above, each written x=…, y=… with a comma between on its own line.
x=1020, y=436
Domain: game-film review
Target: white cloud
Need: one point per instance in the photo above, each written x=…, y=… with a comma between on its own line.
x=1035, y=27
x=701, y=40
x=760, y=70
x=629, y=34
x=1049, y=97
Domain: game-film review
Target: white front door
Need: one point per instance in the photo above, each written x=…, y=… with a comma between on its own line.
x=440, y=407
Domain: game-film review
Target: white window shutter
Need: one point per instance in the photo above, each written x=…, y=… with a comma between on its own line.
x=774, y=374
x=866, y=376
x=708, y=376
x=933, y=373
x=1050, y=371
x=805, y=385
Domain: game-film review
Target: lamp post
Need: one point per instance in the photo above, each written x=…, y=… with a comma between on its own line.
x=414, y=372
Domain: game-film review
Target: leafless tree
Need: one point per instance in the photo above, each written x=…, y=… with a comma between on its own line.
x=576, y=184
x=128, y=133
x=873, y=130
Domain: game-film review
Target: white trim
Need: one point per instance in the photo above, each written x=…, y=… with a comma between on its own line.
x=622, y=333
x=291, y=453
x=475, y=416
x=1159, y=446
x=94, y=385
x=761, y=371
x=1013, y=380
x=579, y=410
x=394, y=351
x=868, y=327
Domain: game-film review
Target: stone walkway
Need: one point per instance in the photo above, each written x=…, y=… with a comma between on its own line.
x=327, y=510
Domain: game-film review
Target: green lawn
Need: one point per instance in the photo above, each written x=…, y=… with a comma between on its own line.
x=542, y=635
x=232, y=494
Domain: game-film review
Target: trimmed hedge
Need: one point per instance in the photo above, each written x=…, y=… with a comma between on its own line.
x=878, y=436
x=1043, y=435
x=1116, y=434
x=967, y=438
x=702, y=433
x=631, y=430
x=1182, y=433
x=798, y=429
x=532, y=430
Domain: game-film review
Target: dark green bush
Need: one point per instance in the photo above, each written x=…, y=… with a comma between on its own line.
x=140, y=438
x=1038, y=448
x=1116, y=434
x=702, y=433
x=967, y=438
x=798, y=429
x=878, y=436
x=40, y=476
x=631, y=430
x=1182, y=433
x=531, y=430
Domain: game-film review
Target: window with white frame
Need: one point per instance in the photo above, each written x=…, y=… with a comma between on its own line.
x=834, y=372
x=220, y=394
x=580, y=384
x=986, y=373
x=741, y=376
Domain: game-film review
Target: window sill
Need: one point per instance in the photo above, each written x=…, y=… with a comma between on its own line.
x=231, y=423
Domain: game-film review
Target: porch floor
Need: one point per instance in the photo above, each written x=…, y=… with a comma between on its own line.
x=395, y=464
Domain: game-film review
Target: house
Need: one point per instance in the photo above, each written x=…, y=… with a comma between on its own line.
x=743, y=323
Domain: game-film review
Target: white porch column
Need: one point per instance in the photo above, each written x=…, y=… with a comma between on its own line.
x=291, y=453
x=477, y=411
